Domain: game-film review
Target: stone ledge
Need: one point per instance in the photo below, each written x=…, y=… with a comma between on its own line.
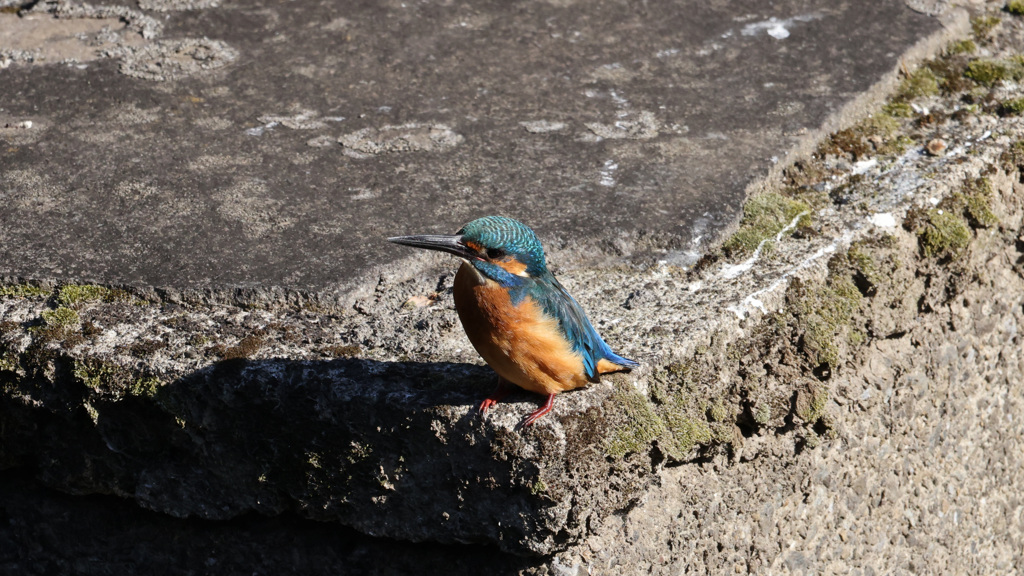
x=756, y=373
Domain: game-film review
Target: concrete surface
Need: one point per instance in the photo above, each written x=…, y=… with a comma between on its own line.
x=198, y=144
x=832, y=390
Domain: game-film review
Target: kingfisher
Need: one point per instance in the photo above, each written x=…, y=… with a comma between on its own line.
x=519, y=318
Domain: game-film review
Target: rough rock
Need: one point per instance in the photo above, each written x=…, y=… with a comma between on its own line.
x=834, y=390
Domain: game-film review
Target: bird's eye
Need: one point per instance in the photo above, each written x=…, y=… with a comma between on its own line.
x=494, y=253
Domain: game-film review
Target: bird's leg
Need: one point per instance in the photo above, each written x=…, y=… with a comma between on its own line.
x=503, y=389
x=540, y=411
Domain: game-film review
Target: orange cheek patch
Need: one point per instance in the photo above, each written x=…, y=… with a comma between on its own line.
x=474, y=246
x=512, y=266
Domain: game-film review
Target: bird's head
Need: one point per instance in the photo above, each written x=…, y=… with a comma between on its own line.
x=500, y=248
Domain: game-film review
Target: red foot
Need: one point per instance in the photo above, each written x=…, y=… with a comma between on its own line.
x=540, y=411
x=500, y=392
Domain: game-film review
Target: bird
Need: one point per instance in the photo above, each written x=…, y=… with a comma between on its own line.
x=519, y=318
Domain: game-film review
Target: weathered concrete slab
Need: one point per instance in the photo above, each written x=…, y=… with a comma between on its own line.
x=874, y=353
x=196, y=144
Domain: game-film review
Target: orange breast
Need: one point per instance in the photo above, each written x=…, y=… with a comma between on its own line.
x=520, y=343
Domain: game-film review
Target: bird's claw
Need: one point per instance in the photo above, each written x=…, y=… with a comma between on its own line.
x=486, y=405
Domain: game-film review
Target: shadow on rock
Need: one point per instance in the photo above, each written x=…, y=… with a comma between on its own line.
x=388, y=448
x=45, y=532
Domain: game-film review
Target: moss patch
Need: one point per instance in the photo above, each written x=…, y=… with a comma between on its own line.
x=987, y=72
x=1013, y=107
x=982, y=26
x=962, y=47
x=1015, y=7
x=1013, y=157
x=944, y=235
x=60, y=318
x=764, y=216
x=641, y=426
x=102, y=376
x=74, y=295
x=685, y=433
x=811, y=403
x=920, y=84
x=823, y=315
x=945, y=231
x=23, y=291
x=107, y=377
x=245, y=348
x=975, y=199
x=898, y=109
x=879, y=133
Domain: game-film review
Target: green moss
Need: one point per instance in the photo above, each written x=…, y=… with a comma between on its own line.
x=811, y=404
x=896, y=146
x=877, y=134
x=763, y=413
x=60, y=318
x=717, y=412
x=1013, y=107
x=879, y=125
x=723, y=433
x=861, y=260
x=1015, y=65
x=1013, y=157
x=866, y=270
x=23, y=291
x=825, y=313
x=1015, y=7
x=102, y=376
x=145, y=387
x=8, y=363
x=945, y=234
x=684, y=433
x=898, y=109
x=982, y=26
x=538, y=488
x=108, y=377
x=764, y=216
x=961, y=47
x=987, y=72
x=245, y=348
x=976, y=196
x=74, y=295
x=641, y=426
x=920, y=84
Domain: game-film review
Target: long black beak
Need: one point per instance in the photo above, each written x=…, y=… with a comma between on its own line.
x=445, y=243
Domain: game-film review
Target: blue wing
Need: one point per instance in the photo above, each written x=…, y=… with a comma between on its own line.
x=557, y=303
